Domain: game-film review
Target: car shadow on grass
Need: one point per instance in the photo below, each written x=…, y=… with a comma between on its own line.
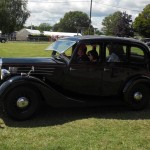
x=48, y=116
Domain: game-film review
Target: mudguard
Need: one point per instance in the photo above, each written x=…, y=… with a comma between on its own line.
x=48, y=94
x=137, y=79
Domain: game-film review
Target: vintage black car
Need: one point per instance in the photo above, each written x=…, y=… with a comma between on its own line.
x=3, y=39
x=63, y=80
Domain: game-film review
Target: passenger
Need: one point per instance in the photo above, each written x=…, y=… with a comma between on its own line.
x=82, y=53
x=93, y=55
x=113, y=57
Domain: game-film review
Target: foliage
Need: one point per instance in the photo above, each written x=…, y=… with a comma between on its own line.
x=33, y=27
x=44, y=27
x=118, y=24
x=142, y=22
x=13, y=14
x=72, y=21
x=98, y=32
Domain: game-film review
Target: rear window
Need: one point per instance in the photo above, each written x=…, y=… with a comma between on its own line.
x=136, y=54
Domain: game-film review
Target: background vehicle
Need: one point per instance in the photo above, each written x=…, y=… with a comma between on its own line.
x=148, y=43
x=145, y=40
x=3, y=39
x=63, y=81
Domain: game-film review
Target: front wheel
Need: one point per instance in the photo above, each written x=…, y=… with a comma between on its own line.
x=137, y=96
x=3, y=41
x=22, y=103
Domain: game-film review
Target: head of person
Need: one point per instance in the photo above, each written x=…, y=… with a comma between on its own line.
x=93, y=55
x=94, y=47
x=110, y=48
x=82, y=50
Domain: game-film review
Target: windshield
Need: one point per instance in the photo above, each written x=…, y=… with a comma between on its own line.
x=62, y=49
x=61, y=45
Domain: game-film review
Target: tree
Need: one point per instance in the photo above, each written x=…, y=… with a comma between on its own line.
x=142, y=22
x=72, y=21
x=44, y=27
x=13, y=15
x=33, y=27
x=118, y=24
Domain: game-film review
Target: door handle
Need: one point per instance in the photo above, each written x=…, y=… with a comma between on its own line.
x=71, y=69
x=105, y=69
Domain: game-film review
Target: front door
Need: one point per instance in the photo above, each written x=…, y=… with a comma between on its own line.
x=84, y=79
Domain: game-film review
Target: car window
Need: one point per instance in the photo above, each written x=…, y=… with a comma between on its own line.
x=88, y=53
x=115, y=52
x=93, y=47
x=136, y=54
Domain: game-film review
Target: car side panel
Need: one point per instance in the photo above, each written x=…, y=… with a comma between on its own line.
x=50, y=95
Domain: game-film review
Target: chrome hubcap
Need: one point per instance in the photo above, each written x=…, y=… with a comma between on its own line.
x=22, y=102
x=138, y=96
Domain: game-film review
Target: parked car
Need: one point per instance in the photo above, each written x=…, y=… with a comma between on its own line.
x=148, y=43
x=65, y=81
x=3, y=39
x=145, y=40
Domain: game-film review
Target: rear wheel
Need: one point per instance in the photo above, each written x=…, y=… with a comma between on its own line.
x=22, y=103
x=137, y=96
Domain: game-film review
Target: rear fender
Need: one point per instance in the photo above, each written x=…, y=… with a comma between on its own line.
x=139, y=79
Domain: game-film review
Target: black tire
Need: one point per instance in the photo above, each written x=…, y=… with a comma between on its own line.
x=3, y=41
x=137, y=102
x=17, y=94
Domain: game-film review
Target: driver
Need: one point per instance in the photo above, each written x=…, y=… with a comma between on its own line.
x=81, y=55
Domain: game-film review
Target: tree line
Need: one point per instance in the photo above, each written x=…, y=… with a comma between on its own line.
x=13, y=15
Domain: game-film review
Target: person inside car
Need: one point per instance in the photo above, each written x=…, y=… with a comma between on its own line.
x=93, y=55
x=81, y=55
x=113, y=57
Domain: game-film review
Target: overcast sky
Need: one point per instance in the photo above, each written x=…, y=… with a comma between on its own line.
x=50, y=11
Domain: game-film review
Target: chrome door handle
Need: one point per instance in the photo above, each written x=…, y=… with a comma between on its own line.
x=71, y=69
x=105, y=69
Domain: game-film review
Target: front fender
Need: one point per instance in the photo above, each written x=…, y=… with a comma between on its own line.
x=13, y=82
x=49, y=94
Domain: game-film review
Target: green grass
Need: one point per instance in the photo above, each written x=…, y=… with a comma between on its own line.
x=106, y=128
x=24, y=49
x=101, y=128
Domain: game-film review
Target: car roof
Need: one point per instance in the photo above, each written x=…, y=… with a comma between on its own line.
x=93, y=37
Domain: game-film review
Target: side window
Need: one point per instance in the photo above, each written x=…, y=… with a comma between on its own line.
x=88, y=53
x=136, y=54
x=115, y=52
x=68, y=52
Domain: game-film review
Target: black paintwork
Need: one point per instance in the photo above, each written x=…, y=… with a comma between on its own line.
x=63, y=83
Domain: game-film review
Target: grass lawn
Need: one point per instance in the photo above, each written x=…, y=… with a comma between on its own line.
x=101, y=128
x=24, y=49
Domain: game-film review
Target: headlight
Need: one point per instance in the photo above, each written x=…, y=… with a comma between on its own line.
x=4, y=73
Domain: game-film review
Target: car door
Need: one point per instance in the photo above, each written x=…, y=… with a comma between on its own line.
x=133, y=62
x=114, y=72
x=84, y=78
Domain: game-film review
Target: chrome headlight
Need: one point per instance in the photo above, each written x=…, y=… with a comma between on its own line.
x=4, y=73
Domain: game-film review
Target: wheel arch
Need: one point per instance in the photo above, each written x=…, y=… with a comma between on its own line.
x=14, y=82
x=139, y=79
x=47, y=93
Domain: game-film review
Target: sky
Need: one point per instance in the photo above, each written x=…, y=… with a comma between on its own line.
x=50, y=11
